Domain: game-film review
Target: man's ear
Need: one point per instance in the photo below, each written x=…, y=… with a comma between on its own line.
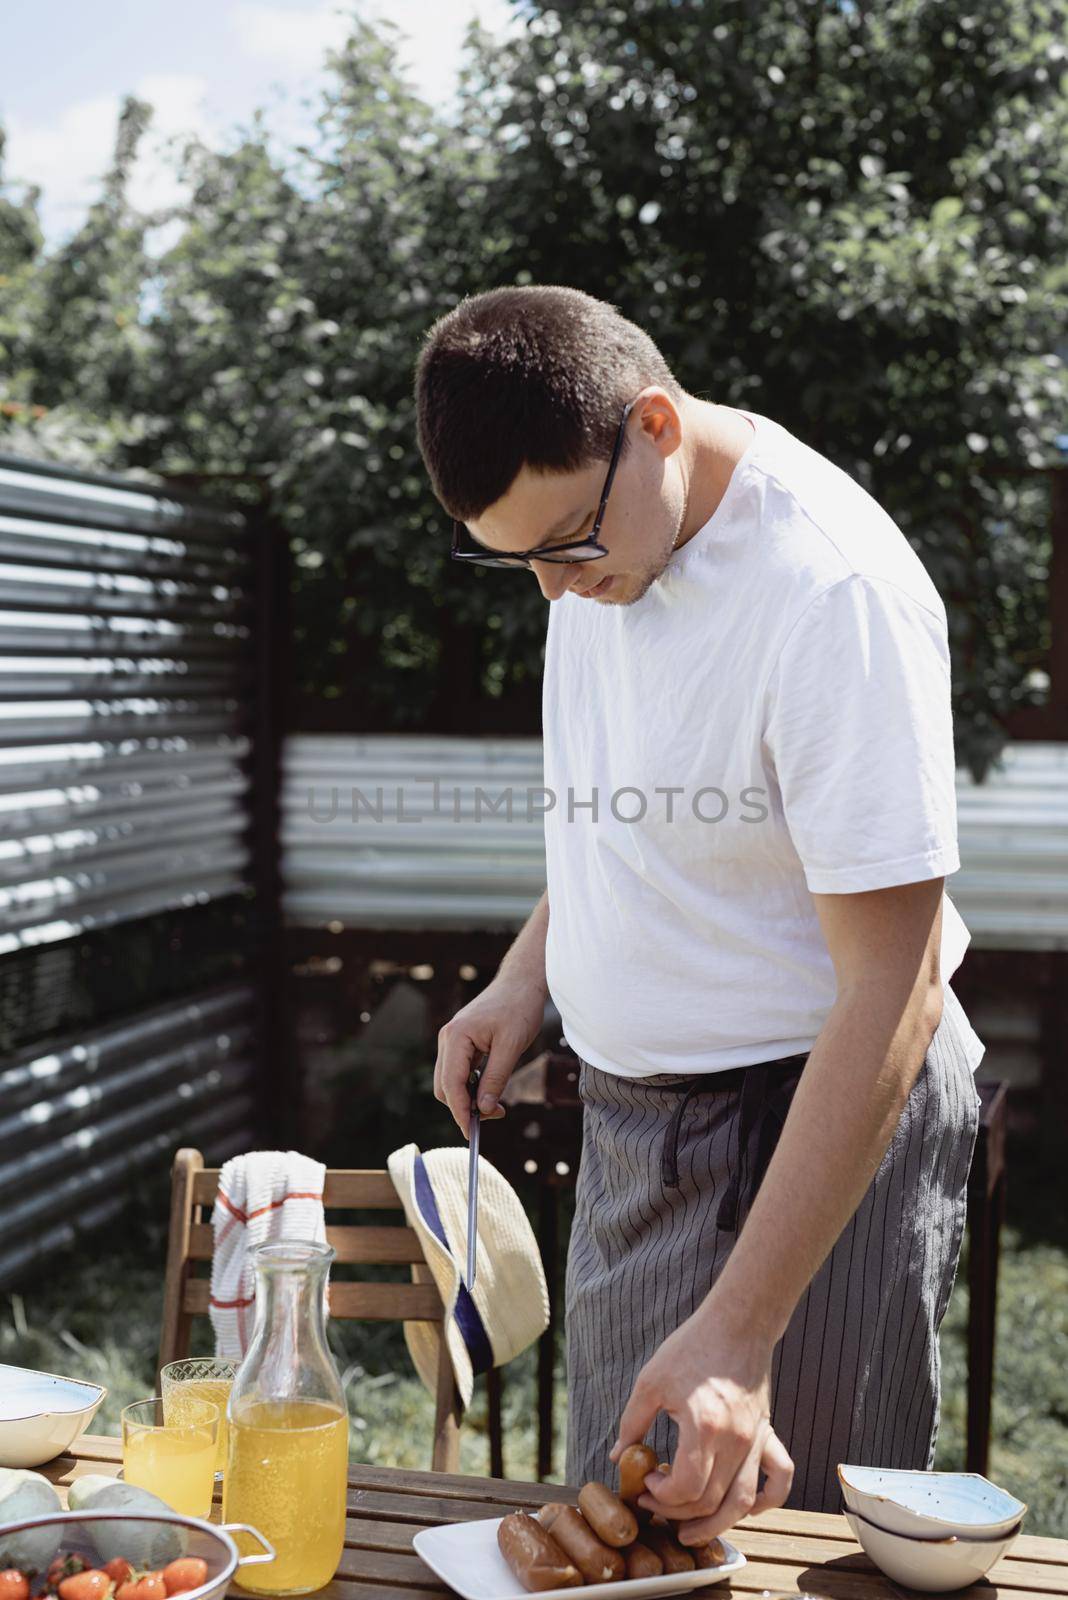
x=660, y=420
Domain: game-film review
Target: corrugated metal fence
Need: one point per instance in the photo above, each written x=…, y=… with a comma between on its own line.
x=128, y=715
x=393, y=832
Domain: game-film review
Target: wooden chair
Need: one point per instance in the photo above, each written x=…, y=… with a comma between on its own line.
x=193, y=1190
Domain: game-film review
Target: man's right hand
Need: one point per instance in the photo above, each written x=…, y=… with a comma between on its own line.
x=500, y=1023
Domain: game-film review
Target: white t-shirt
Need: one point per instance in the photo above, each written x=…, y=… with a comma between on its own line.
x=787, y=678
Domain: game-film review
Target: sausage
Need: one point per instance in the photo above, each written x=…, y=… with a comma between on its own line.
x=535, y=1558
x=606, y=1514
x=664, y=1544
x=711, y=1554
x=549, y=1513
x=636, y=1461
x=642, y=1562
x=597, y=1561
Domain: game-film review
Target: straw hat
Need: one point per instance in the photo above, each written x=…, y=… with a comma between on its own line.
x=509, y=1306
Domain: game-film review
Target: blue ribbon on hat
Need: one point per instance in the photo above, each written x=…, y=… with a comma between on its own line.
x=468, y=1320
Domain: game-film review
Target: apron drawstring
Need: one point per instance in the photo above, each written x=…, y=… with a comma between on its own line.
x=767, y=1090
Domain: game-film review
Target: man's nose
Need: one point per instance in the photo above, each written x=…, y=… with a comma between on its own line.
x=554, y=577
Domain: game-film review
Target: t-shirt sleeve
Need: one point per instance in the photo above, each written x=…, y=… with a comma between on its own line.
x=859, y=730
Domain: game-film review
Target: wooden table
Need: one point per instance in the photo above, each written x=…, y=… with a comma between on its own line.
x=790, y=1552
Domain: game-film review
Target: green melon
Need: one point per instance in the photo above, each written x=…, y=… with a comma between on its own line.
x=23, y=1495
x=144, y=1544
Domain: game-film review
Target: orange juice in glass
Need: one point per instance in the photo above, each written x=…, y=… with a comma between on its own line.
x=174, y=1460
x=199, y=1378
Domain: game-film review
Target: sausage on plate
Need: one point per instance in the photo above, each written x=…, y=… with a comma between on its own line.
x=606, y=1514
x=534, y=1556
x=642, y=1562
x=597, y=1561
x=662, y=1542
x=711, y=1554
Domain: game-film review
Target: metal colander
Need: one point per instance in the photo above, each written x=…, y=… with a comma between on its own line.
x=148, y=1540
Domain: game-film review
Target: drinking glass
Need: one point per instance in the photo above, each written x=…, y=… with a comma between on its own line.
x=174, y=1460
x=199, y=1378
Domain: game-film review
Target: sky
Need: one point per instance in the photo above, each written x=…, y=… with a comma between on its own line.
x=205, y=65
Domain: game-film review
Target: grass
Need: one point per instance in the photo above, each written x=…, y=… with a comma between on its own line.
x=95, y=1314
x=1029, y=1444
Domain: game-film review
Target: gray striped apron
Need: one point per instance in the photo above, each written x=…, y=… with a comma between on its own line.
x=667, y=1175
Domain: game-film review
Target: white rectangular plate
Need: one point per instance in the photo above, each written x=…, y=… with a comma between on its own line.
x=466, y=1556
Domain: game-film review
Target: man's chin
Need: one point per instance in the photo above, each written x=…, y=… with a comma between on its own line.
x=630, y=589
x=627, y=588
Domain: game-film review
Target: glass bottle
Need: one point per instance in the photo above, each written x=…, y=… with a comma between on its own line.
x=287, y=1465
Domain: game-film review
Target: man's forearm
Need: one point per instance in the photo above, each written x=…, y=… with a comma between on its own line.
x=843, y=1115
x=525, y=958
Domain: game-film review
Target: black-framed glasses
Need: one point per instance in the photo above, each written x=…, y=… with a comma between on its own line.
x=588, y=548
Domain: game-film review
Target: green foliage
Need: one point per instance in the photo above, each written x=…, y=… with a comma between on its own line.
x=850, y=218
x=84, y=336
x=20, y=247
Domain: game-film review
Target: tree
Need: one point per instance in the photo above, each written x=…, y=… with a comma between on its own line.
x=850, y=218
x=20, y=246
x=287, y=322
x=86, y=336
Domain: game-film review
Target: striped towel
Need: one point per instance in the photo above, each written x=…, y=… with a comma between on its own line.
x=267, y=1194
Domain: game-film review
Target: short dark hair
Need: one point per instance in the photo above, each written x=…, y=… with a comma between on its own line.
x=532, y=376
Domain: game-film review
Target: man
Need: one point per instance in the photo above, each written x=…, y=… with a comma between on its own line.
x=748, y=737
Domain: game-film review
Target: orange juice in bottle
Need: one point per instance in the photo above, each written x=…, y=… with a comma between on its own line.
x=287, y=1464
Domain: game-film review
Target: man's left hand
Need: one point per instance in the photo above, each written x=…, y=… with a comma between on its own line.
x=715, y=1382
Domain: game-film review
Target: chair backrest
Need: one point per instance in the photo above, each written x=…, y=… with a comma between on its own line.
x=190, y=1240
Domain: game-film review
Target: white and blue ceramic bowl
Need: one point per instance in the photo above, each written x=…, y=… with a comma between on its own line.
x=42, y=1414
x=930, y=1505
x=934, y=1565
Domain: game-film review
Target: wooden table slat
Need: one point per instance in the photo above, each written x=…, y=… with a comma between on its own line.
x=368, y=1535
x=431, y=1513
x=385, y=1566
x=841, y=1583
x=1014, y=1572
x=1034, y=1547
x=94, y=1447
x=346, y=1589
x=443, y=1486
x=789, y=1552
